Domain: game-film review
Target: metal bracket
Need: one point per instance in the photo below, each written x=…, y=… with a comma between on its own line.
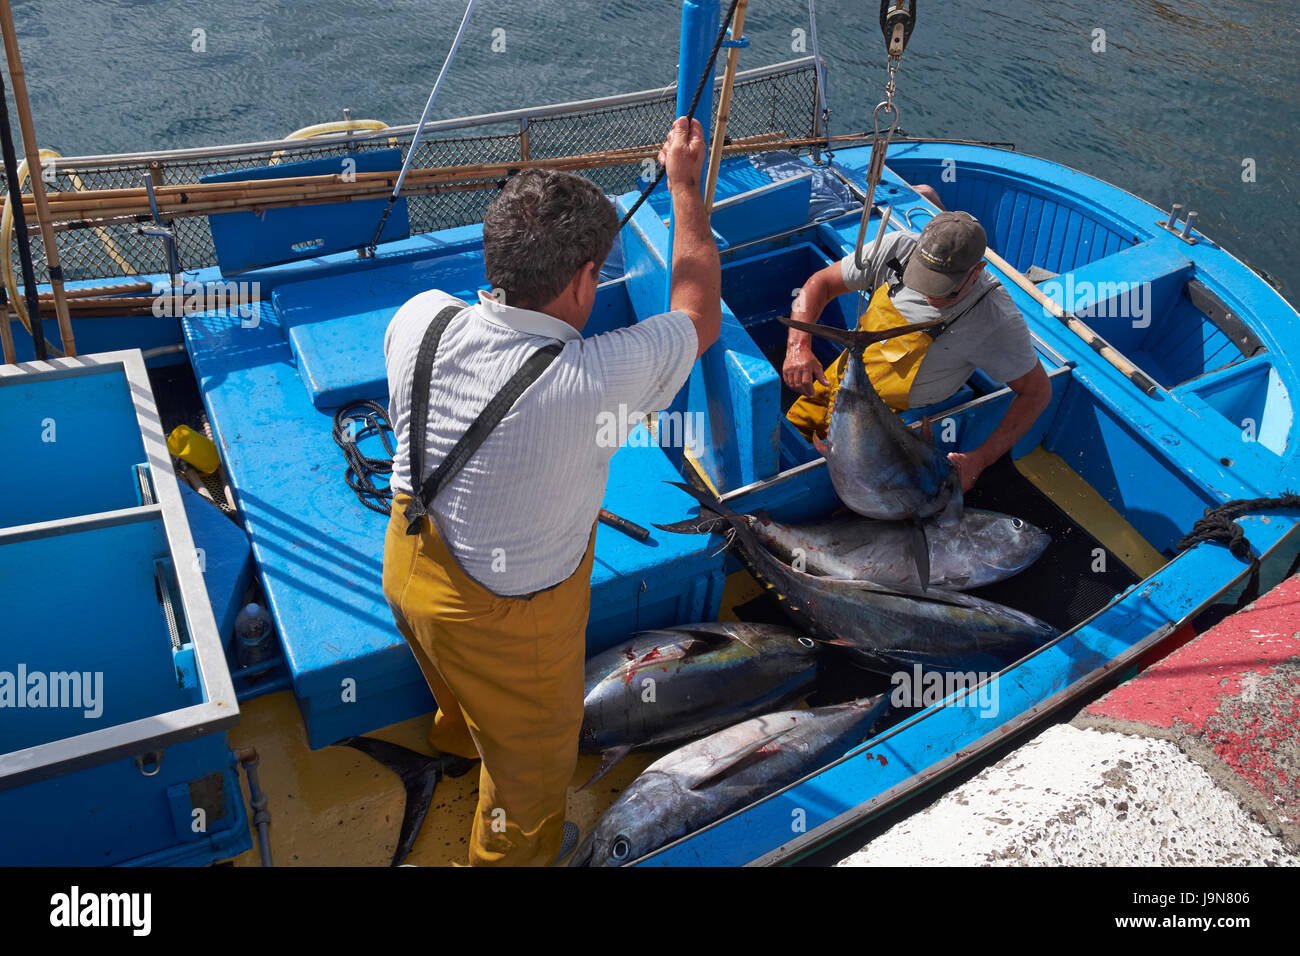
x=163, y=232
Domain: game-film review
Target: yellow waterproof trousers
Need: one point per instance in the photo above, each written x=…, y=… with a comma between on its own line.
x=507, y=674
x=891, y=366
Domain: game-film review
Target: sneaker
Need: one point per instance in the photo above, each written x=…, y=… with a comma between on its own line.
x=568, y=842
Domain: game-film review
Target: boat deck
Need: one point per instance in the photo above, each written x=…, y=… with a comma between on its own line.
x=338, y=807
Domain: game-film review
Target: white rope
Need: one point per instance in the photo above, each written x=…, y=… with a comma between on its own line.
x=433, y=95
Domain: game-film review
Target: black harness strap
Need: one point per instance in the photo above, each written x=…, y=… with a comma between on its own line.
x=488, y=419
x=897, y=267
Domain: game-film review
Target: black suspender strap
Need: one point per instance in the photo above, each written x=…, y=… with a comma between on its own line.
x=420, y=385
x=939, y=330
x=478, y=431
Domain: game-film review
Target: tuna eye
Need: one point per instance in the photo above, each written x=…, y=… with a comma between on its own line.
x=620, y=849
x=1017, y=523
x=807, y=642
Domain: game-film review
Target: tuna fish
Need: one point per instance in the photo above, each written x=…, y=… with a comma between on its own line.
x=670, y=685
x=703, y=781
x=888, y=628
x=880, y=468
x=981, y=548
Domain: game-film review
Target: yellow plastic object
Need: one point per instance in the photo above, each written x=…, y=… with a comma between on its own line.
x=326, y=129
x=195, y=448
x=17, y=302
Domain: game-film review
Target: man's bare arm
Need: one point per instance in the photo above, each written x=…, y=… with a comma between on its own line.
x=801, y=366
x=1033, y=393
x=697, y=273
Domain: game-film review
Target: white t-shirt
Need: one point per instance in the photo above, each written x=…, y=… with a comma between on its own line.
x=518, y=516
x=992, y=336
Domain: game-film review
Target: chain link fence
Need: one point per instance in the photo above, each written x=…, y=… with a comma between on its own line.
x=778, y=100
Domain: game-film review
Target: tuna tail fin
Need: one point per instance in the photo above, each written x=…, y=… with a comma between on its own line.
x=703, y=524
x=921, y=553
x=710, y=503
x=420, y=775
x=857, y=341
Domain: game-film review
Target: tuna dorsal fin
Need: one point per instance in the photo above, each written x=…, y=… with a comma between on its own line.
x=743, y=757
x=920, y=553
x=608, y=759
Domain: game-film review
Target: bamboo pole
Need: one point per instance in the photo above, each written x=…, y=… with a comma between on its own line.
x=724, y=107
x=32, y=149
x=1075, y=325
x=94, y=290
x=178, y=200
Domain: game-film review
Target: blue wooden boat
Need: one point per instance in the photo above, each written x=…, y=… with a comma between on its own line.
x=1123, y=463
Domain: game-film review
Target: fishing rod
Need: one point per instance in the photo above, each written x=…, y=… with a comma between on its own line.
x=23, y=106
x=424, y=118
x=24, y=244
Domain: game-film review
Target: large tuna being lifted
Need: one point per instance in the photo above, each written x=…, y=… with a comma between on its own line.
x=881, y=468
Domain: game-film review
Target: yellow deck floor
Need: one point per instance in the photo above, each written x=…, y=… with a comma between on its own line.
x=338, y=807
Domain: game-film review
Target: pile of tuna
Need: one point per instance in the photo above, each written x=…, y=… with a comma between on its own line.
x=882, y=586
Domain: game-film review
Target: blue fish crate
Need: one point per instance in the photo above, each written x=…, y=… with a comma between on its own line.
x=114, y=691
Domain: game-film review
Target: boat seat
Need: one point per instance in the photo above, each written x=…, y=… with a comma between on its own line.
x=250, y=240
x=335, y=326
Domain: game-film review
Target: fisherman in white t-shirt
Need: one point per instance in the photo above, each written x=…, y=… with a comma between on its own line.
x=913, y=279
x=488, y=555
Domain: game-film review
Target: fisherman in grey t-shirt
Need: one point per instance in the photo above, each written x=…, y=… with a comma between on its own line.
x=941, y=277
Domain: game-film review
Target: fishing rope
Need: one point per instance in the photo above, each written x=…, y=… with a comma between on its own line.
x=695, y=101
x=352, y=423
x=1219, y=524
x=424, y=118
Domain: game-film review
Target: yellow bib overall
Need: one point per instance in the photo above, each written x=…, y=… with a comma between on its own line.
x=891, y=365
x=507, y=675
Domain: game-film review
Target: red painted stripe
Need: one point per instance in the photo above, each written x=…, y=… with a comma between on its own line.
x=1191, y=684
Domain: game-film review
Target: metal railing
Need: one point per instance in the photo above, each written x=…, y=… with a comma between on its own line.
x=780, y=98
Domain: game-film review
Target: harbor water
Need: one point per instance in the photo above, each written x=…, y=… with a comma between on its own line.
x=1194, y=102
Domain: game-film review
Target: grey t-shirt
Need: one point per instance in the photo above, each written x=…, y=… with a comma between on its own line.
x=992, y=336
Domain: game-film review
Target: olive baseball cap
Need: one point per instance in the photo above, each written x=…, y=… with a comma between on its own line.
x=951, y=244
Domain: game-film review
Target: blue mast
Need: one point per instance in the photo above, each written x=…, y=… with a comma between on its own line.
x=700, y=21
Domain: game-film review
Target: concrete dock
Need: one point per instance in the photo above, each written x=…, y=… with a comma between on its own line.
x=1195, y=761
